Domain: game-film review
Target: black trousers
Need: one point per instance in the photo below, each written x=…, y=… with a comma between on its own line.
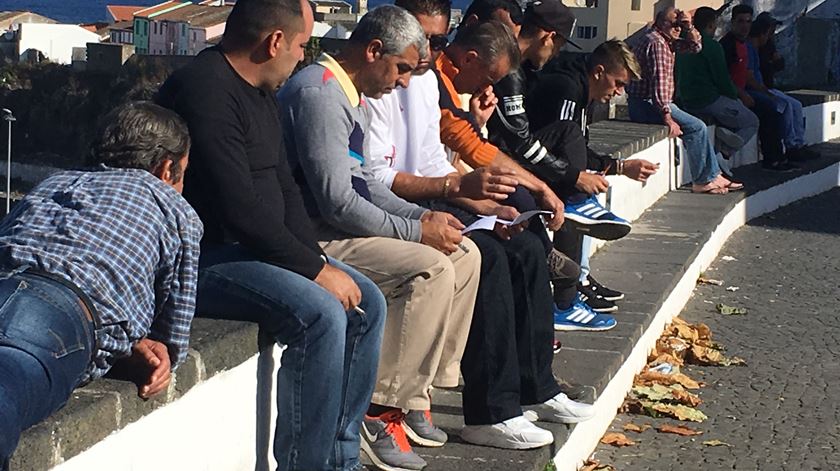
x=507, y=360
x=770, y=124
x=508, y=356
x=564, y=139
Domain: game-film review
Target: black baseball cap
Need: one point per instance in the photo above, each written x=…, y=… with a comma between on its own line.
x=766, y=19
x=552, y=15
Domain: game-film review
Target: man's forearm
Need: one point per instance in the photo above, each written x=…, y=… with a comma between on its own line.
x=414, y=188
x=482, y=207
x=527, y=179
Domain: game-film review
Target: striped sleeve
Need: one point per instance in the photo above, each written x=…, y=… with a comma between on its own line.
x=566, y=111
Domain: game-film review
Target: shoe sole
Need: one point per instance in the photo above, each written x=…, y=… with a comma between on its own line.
x=533, y=416
x=604, y=310
x=613, y=298
x=599, y=229
x=574, y=328
x=379, y=464
x=507, y=445
x=418, y=440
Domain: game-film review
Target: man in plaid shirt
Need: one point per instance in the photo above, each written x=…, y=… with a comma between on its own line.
x=650, y=100
x=98, y=268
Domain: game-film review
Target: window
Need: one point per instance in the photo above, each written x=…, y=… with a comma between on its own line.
x=587, y=32
x=636, y=5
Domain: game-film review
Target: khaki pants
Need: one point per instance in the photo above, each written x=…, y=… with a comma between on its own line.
x=430, y=304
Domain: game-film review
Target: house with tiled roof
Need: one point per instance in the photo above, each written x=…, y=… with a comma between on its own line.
x=120, y=13
x=185, y=30
x=143, y=29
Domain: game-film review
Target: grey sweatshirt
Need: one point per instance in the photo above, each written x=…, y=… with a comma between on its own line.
x=324, y=123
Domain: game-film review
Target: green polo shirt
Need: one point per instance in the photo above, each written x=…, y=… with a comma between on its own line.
x=703, y=77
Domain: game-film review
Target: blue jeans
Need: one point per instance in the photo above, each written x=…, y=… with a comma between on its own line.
x=793, y=130
x=586, y=249
x=46, y=343
x=329, y=367
x=702, y=160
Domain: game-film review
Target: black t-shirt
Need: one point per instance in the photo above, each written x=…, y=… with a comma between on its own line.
x=238, y=179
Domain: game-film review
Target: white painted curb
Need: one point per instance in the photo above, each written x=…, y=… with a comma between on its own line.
x=585, y=436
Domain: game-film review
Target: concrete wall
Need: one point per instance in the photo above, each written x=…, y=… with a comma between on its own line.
x=55, y=41
x=822, y=122
x=225, y=423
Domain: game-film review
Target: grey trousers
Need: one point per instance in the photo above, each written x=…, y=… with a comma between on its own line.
x=733, y=115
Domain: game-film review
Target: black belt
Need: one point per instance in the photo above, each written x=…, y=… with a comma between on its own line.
x=86, y=303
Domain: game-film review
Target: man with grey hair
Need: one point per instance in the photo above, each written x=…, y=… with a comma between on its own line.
x=427, y=271
x=650, y=100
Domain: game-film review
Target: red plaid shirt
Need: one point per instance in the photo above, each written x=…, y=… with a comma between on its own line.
x=656, y=54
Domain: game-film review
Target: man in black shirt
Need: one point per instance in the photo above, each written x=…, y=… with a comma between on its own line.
x=260, y=259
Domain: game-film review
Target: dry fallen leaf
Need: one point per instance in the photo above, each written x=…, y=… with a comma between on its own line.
x=617, y=439
x=679, y=430
x=656, y=392
x=701, y=355
x=730, y=310
x=685, y=332
x=679, y=412
x=595, y=465
x=672, y=346
x=631, y=427
x=684, y=397
x=648, y=378
x=716, y=443
x=709, y=281
x=703, y=331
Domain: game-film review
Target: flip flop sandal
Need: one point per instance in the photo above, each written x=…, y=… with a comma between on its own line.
x=715, y=190
x=735, y=186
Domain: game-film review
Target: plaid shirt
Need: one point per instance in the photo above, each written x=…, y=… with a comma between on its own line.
x=656, y=55
x=128, y=240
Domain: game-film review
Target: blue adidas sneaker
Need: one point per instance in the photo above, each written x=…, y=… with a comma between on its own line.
x=589, y=217
x=582, y=317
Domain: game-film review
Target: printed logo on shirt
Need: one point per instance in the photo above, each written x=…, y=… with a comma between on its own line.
x=392, y=157
x=513, y=105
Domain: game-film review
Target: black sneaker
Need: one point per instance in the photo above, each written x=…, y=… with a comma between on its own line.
x=597, y=304
x=781, y=167
x=802, y=154
x=602, y=291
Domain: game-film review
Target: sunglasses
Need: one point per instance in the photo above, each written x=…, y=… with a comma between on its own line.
x=438, y=42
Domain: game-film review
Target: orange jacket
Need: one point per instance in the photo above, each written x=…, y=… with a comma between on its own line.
x=458, y=130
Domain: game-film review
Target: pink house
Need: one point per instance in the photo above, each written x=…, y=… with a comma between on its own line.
x=186, y=30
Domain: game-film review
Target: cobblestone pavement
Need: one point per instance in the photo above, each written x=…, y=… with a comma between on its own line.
x=782, y=411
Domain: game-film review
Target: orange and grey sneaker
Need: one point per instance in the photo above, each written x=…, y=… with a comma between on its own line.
x=385, y=443
x=421, y=431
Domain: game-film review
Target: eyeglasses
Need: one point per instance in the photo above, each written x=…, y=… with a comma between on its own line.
x=438, y=42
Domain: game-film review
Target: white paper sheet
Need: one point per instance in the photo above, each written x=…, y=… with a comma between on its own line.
x=486, y=223
x=522, y=217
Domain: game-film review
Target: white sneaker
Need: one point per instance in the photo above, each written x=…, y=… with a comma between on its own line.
x=512, y=434
x=560, y=409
